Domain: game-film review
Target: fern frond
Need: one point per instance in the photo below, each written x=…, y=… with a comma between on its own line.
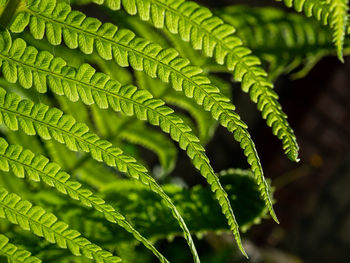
x=14, y=254
x=318, y=9
x=97, y=88
x=125, y=48
x=23, y=162
x=46, y=225
x=51, y=123
x=216, y=39
x=330, y=12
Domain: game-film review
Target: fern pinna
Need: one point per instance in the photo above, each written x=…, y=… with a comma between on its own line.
x=87, y=91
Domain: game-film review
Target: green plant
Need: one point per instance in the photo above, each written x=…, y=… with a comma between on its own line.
x=93, y=98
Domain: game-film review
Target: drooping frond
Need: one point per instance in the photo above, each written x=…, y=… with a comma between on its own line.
x=216, y=39
x=97, y=88
x=140, y=54
x=46, y=225
x=51, y=123
x=23, y=163
x=284, y=40
x=330, y=12
x=14, y=254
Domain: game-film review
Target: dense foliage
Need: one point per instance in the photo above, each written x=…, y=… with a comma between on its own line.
x=81, y=97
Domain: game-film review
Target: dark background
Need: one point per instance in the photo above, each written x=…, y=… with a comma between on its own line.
x=313, y=196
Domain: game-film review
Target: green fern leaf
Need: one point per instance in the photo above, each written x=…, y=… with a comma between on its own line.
x=156, y=62
x=216, y=39
x=14, y=254
x=51, y=123
x=97, y=88
x=312, y=8
x=37, y=167
x=46, y=225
